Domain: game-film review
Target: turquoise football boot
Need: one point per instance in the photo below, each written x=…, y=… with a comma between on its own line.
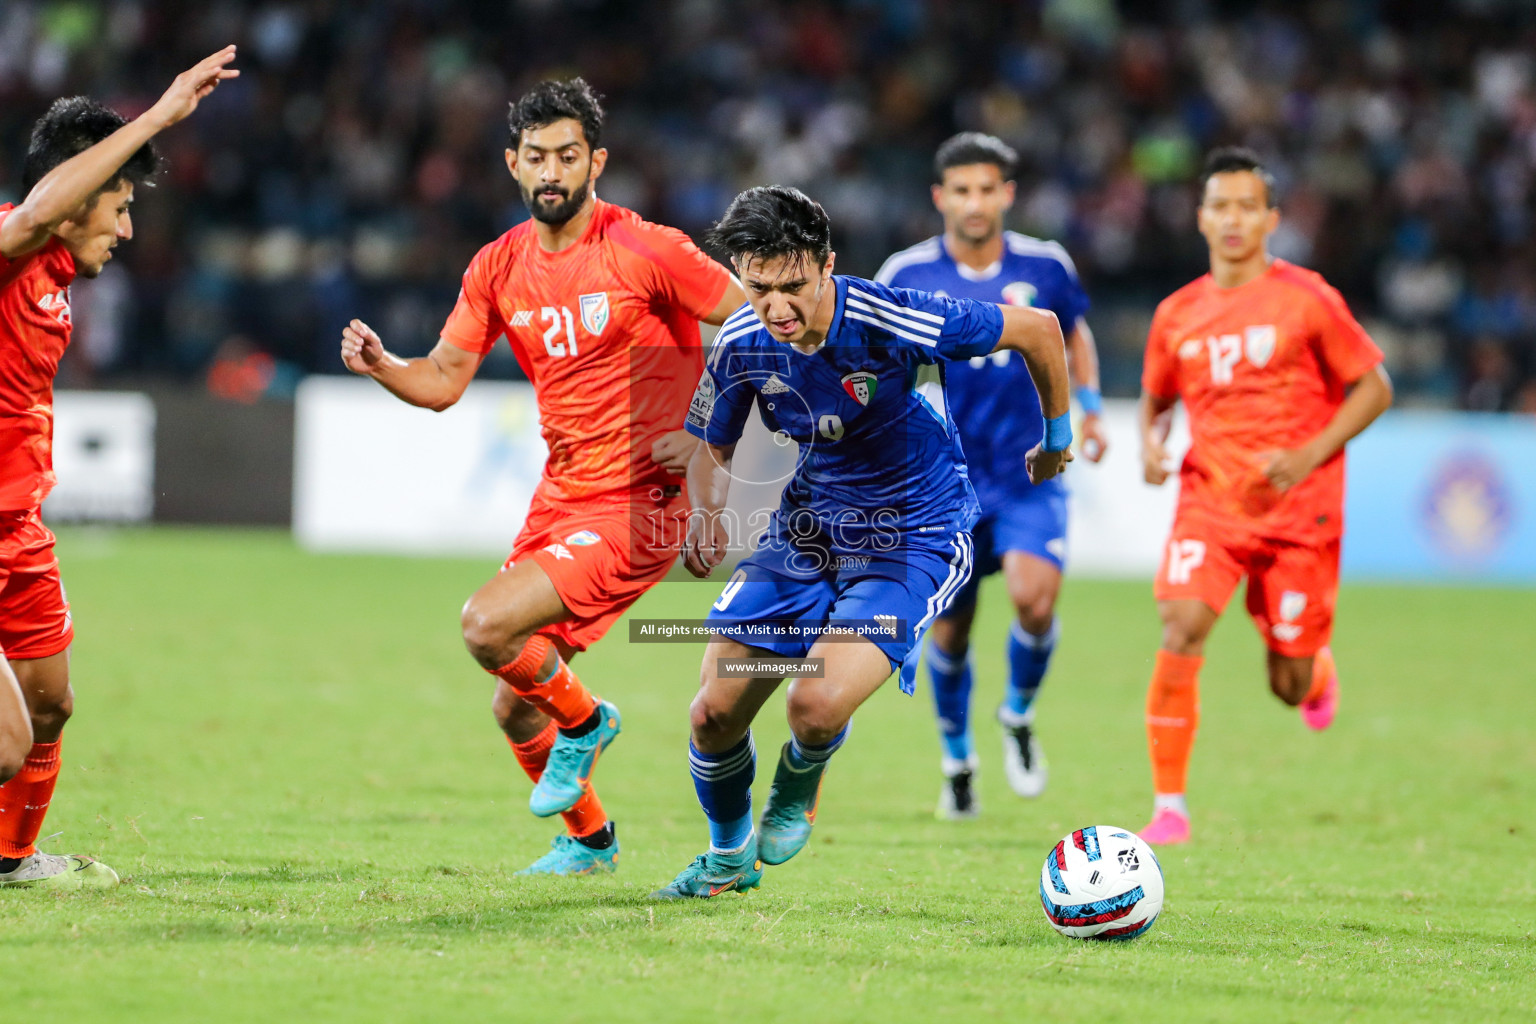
x=567, y=856
x=713, y=873
x=571, y=761
x=791, y=810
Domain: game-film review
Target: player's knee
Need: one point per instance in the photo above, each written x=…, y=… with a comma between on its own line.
x=709, y=720
x=814, y=716
x=1184, y=634
x=488, y=637
x=1036, y=614
x=49, y=715
x=948, y=636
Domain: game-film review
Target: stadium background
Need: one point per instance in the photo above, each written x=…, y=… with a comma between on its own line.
x=288, y=756
x=355, y=167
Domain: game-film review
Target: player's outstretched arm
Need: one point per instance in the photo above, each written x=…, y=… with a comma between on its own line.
x=1155, y=417
x=434, y=381
x=732, y=300
x=1369, y=397
x=62, y=190
x=1083, y=367
x=709, y=483
x=1036, y=335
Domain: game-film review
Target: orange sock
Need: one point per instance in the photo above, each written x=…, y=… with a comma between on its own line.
x=560, y=695
x=24, y=800
x=1173, y=714
x=1323, y=669
x=587, y=815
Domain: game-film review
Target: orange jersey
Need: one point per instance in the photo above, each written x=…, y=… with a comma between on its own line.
x=34, y=331
x=1260, y=367
x=608, y=332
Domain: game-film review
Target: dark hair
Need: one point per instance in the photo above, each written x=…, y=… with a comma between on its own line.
x=770, y=221
x=552, y=101
x=1229, y=159
x=974, y=148
x=70, y=127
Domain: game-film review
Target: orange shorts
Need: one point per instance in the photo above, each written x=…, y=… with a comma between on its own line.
x=601, y=556
x=1292, y=588
x=34, y=613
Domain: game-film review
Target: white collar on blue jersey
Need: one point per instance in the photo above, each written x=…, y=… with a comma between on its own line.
x=967, y=272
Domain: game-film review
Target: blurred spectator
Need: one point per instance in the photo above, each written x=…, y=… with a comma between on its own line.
x=356, y=166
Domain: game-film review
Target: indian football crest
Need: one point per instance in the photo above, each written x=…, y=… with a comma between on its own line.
x=1260, y=344
x=594, y=311
x=582, y=539
x=860, y=385
x=1020, y=293
x=1292, y=604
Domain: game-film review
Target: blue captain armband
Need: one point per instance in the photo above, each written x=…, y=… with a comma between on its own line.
x=1091, y=401
x=1058, y=433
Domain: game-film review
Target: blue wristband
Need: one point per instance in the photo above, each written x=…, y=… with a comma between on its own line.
x=1091, y=401
x=1058, y=433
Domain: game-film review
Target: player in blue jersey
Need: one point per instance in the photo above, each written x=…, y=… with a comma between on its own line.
x=872, y=533
x=1023, y=526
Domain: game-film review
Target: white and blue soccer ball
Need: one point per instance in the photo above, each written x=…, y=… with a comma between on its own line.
x=1101, y=882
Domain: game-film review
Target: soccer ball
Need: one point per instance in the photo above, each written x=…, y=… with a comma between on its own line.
x=1101, y=882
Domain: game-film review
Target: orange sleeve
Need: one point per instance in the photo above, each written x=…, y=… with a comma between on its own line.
x=1344, y=349
x=1159, y=370
x=670, y=269
x=475, y=323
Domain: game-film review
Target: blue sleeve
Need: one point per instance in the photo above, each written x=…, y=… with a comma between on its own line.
x=932, y=327
x=719, y=410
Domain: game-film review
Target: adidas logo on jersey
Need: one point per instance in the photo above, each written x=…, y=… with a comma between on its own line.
x=522, y=318
x=559, y=551
x=775, y=386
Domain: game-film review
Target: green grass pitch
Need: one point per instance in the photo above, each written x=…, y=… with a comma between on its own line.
x=291, y=761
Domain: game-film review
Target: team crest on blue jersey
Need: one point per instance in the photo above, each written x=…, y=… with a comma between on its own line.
x=860, y=385
x=1020, y=293
x=594, y=311
x=582, y=539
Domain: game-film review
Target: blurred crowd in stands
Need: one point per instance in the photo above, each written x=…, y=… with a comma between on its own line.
x=356, y=166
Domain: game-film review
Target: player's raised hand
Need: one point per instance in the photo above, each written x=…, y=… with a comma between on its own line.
x=1287, y=468
x=672, y=450
x=706, y=543
x=1154, y=462
x=361, y=349
x=191, y=86
x=1043, y=465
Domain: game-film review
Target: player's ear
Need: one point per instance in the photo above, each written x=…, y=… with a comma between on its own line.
x=599, y=161
x=1010, y=189
x=937, y=191
x=826, y=268
x=511, y=155
x=1272, y=220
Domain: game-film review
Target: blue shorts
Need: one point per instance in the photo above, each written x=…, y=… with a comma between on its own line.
x=782, y=595
x=1035, y=525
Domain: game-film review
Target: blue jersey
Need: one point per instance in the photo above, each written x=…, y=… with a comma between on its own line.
x=993, y=400
x=879, y=457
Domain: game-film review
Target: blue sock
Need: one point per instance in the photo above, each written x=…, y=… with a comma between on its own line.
x=724, y=785
x=951, y=678
x=1028, y=658
x=802, y=757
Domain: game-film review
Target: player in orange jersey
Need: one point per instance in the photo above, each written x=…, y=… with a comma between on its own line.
x=602, y=310
x=83, y=163
x=1277, y=377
